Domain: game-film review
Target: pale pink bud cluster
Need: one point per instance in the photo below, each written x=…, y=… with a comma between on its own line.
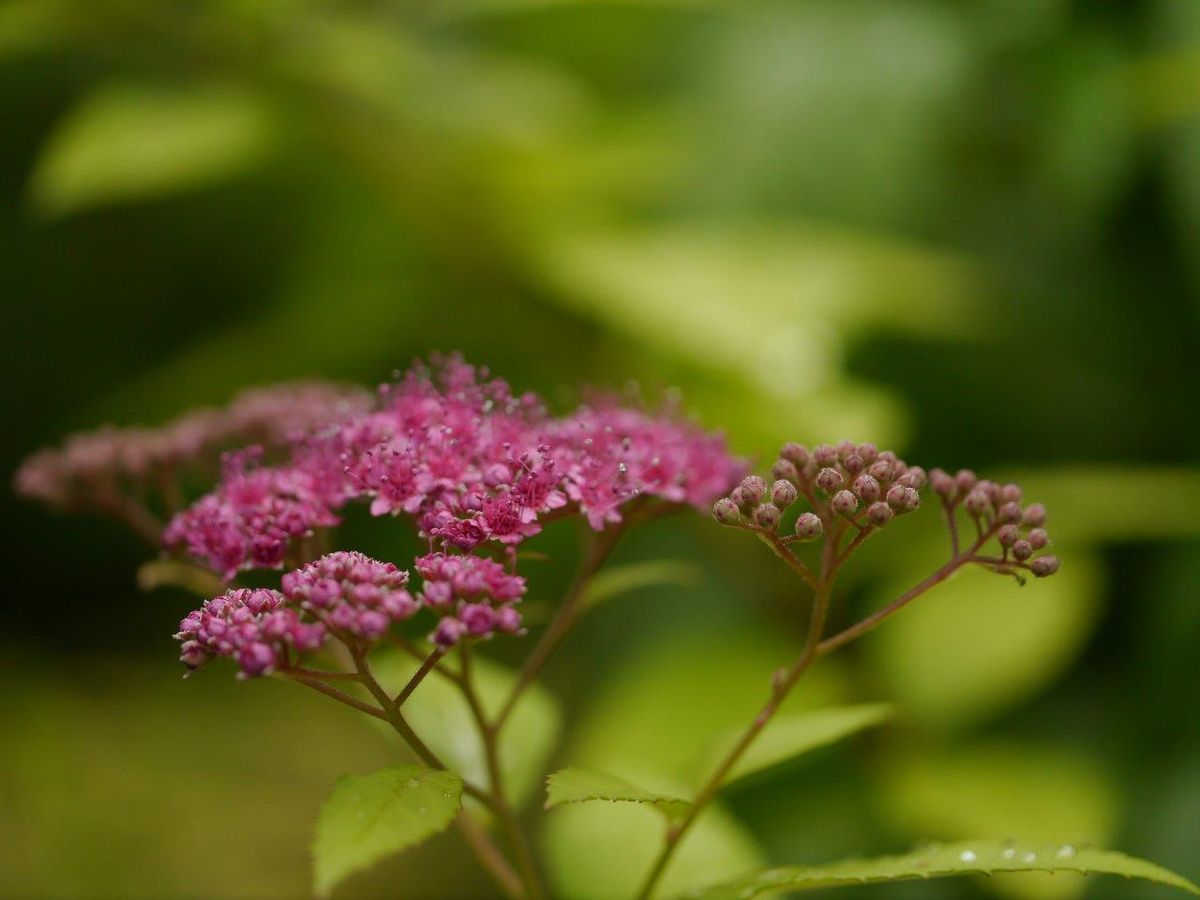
x=997, y=509
x=107, y=469
x=474, y=596
x=855, y=482
x=255, y=628
x=352, y=594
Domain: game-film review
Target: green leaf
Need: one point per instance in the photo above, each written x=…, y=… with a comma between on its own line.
x=612, y=582
x=175, y=573
x=371, y=816
x=1044, y=793
x=602, y=851
x=126, y=142
x=789, y=736
x=937, y=861
x=981, y=644
x=574, y=785
x=439, y=714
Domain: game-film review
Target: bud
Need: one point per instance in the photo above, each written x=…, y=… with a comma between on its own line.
x=1035, y=515
x=1008, y=535
x=809, y=527
x=867, y=488
x=1022, y=550
x=965, y=481
x=824, y=455
x=1010, y=493
x=796, y=454
x=853, y=464
x=1009, y=513
x=738, y=496
x=829, y=480
x=881, y=469
x=783, y=494
x=914, y=477
x=977, y=503
x=903, y=499
x=753, y=489
x=845, y=449
x=785, y=470
x=869, y=453
x=942, y=484
x=767, y=516
x=844, y=503
x=879, y=514
x=726, y=512
x=989, y=489
x=1044, y=565
x=1038, y=538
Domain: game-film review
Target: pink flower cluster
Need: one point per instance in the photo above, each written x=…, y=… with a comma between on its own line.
x=255, y=628
x=474, y=596
x=253, y=516
x=93, y=469
x=468, y=460
x=352, y=593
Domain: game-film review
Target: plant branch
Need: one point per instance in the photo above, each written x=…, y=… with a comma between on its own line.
x=599, y=548
x=777, y=545
x=428, y=666
x=490, y=857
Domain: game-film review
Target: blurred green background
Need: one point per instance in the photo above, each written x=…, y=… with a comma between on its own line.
x=969, y=230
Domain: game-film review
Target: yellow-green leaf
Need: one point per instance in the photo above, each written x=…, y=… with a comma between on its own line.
x=127, y=142
x=942, y=860
x=789, y=736
x=371, y=816
x=574, y=785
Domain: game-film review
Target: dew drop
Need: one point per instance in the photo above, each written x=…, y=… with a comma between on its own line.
x=1066, y=851
x=1009, y=853
x=1029, y=857
x=968, y=856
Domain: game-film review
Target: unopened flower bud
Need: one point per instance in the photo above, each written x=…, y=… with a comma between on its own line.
x=767, y=516
x=965, y=481
x=797, y=454
x=879, y=514
x=726, y=512
x=783, y=494
x=738, y=496
x=853, y=464
x=845, y=449
x=785, y=470
x=1009, y=513
x=977, y=503
x=867, y=488
x=844, y=503
x=881, y=470
x=753, y=489
x=1035, y=515
x=989, y=489
x=903, y=499
x=824, y=455
x=942, y=484
x=914, y=477
x=1008, y=535
x=1010, y=493
x=1044, y=565
x=809, y=527
x=829, y=480
x=868, y=452
x=1022, y=550
x=1038, y=538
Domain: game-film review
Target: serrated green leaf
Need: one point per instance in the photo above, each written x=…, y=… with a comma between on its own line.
x=575, y=785
x=126, y=142
x=789, y=736
x=944, y=860
x=439, y=714
x=371, y=816
x=612, y=582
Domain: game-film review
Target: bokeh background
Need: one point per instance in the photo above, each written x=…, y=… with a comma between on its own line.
x=968, y=230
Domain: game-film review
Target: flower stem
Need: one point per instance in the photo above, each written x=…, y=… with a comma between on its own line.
x=599, y=548
x=489, y=734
